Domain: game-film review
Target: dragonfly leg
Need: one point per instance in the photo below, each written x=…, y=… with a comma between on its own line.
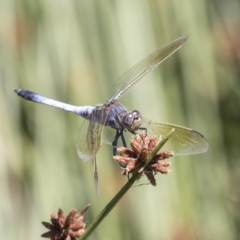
x=119, y=134
x=123, y=139
x=115, y=141
x=143, y=128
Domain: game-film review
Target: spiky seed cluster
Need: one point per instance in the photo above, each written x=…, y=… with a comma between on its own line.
x=132, y=160
x=66, y=228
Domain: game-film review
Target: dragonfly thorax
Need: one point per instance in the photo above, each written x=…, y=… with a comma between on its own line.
x=119, y=118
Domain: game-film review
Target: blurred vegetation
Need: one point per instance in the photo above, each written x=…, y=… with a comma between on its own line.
x=72, y=51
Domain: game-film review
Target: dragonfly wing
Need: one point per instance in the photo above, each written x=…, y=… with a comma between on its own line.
x=134, y=74
x=90, y=134
x=109, y=135
x=83, y=150
x=183, y=141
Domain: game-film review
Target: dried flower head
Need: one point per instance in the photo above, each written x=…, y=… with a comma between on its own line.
x=132, y=160
x=66, y=228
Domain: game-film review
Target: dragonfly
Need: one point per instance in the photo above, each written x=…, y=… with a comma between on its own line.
x=110, y=121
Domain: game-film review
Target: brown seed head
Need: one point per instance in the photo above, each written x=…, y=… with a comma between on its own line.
x=68, y=228
x=133, y=159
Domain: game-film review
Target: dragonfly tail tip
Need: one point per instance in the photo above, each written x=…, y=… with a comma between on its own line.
x=16, y=90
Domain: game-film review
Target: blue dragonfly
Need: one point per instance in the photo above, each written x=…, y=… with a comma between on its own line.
x=117, y=120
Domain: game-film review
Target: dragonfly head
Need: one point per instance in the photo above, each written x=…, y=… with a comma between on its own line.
x=132, y=120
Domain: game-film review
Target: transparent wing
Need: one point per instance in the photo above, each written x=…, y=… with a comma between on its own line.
x=109, y=135
x=90, y=134
x=183, y=141
x=134, y=74
x=84, y=151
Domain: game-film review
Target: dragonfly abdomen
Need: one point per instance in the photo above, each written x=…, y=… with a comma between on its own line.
x=85, y=112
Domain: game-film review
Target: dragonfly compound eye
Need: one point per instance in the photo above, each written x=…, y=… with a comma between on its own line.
x=132, y=120
x=137, y=120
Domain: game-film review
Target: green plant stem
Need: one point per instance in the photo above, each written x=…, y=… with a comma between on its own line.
x=123, y=190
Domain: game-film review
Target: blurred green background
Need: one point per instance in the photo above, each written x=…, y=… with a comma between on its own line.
x=72, y=51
